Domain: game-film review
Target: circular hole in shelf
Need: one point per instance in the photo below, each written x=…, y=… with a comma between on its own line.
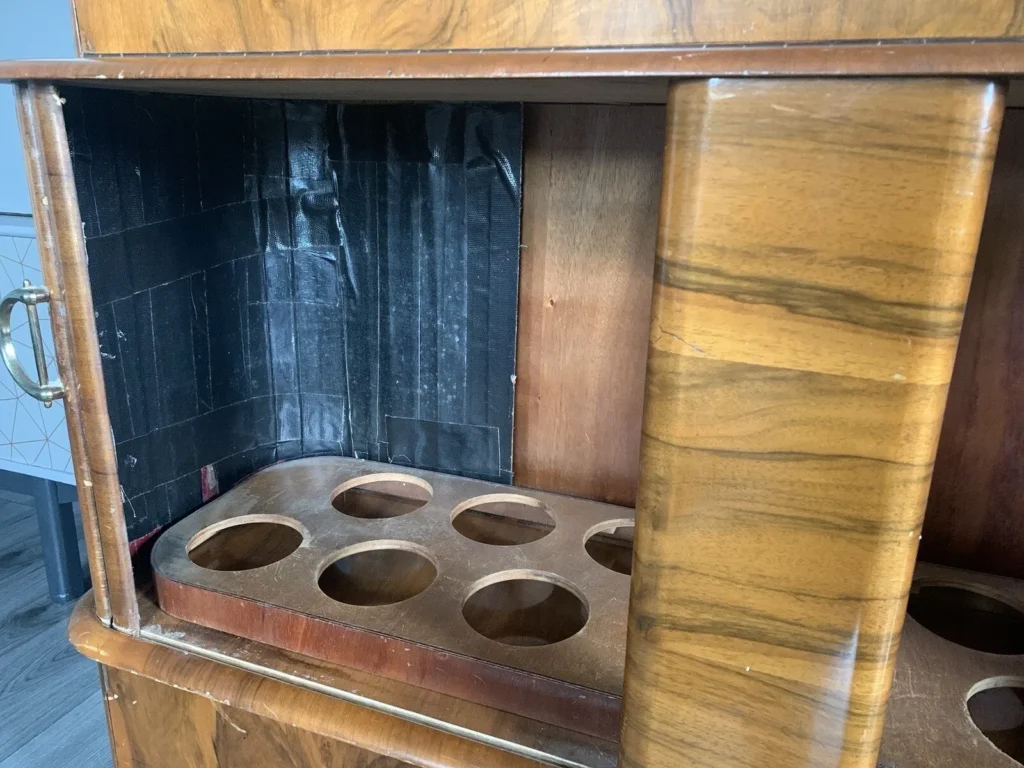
x=525, y=608
x=244, y=543
x=378, y=573
x=968, y=618
x=375, y=497
x=502, y=519
x=611, y=545
x=998, y=713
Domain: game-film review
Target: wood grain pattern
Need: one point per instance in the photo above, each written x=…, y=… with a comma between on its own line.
x=419, y=732
x=447, y=75
x=975, y=518
x=49, y=241
x=403, y=700
x=595, y=713
x=814, y=256
x=62, y=252
x=254, y=26
x=157, y=726
x=590, y=190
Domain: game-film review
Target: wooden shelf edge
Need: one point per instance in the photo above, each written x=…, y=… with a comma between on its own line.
x=947, y=58
x=393, y=719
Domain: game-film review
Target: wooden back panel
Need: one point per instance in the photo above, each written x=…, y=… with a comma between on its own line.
x=591, y=181
x=204, y=26
x=976, y=508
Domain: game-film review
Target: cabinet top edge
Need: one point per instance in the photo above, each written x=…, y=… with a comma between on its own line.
x=999, y=57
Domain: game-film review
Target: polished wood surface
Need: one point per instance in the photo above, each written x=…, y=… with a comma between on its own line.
x=381, y=716
x=155, y=725
x=547, y=701
x=62, y=253
x=976, y=508
x=591, y=182
x=815, y=250
x=48, y=243
x=254, y=26
x=404, y=73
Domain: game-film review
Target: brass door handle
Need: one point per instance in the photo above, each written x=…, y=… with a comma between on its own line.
x=43, y=389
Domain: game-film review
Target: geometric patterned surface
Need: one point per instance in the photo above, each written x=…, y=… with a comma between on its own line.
x=33, y=439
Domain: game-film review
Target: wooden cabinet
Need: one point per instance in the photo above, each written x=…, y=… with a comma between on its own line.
x=159, y=26
x=763, y=364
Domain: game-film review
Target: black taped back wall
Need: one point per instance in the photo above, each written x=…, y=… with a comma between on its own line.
x=277, y=279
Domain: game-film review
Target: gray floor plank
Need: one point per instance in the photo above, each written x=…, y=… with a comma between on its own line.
x=21, y=622
x=25, y=607
x=21, y=498
x=40, y=682
x=51, y=709
x=70, y=742
x=18, y=529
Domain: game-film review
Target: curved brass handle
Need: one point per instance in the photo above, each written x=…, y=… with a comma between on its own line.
x=29, y=295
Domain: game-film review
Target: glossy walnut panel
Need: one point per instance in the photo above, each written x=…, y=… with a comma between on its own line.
x=254, y=26
x=372, y=713
x=815, y=250
x=159, y=726
x=298, y=699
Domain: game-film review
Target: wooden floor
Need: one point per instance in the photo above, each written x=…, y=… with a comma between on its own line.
x=51, y=709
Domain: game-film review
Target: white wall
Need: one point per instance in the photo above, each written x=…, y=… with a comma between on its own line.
x=29, y=29
x=33, y=439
